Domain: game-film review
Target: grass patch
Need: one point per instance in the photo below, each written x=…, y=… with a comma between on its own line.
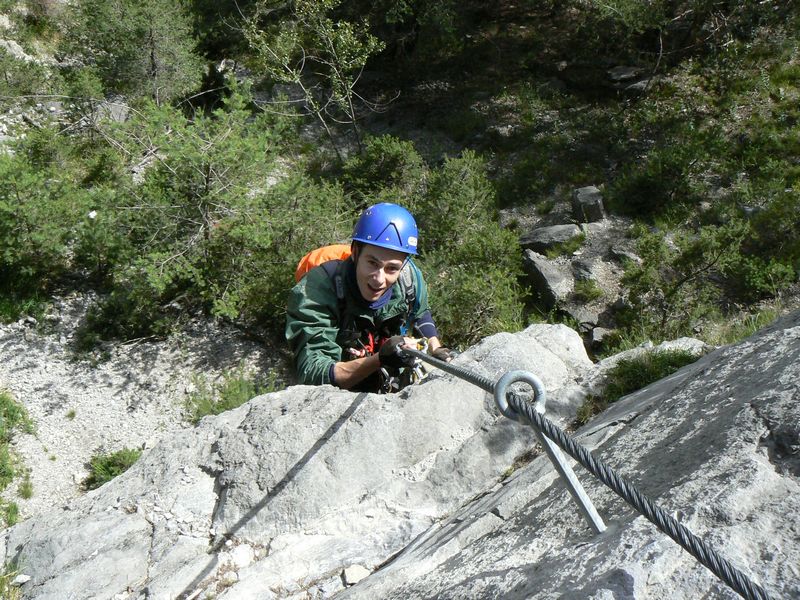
x=235, y=389
x=9, y=511
x=545, y=207
x=25, y=489
x=15, y=306
x=566, y=248
x=587, y=290
x=730, y=331
x=633, y=374
x=71, y=414
x=13, y=418
x=105, y=467
x=7, y=576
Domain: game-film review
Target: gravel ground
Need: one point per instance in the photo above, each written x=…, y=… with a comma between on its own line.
x=132, y=398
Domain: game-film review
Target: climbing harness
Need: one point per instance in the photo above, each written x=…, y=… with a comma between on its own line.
x=516, y=407
x=397, y=380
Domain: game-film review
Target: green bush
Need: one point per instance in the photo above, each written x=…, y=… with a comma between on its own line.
x=105, y=467
x=235, y=389
x=19, y=78
x=138, y=47
x=388, y=168
x=632, y=374
x=471, y=264
x=674, y=287
x=13, y=418
x=587, y=290
x=40, y=211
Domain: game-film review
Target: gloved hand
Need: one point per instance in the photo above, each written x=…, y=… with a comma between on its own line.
x=443, y=353
x=391, y=354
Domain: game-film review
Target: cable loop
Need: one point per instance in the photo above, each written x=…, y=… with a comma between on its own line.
x=500, y=394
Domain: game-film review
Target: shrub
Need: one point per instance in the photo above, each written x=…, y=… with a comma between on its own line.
x=105, y=467
x=674, y=286
x=633, y=374
x=471, y=264
x=19, y=78
x=388, y=168
x=235, y=389
x=139, y=47
x=587, y=290
x=39, y=214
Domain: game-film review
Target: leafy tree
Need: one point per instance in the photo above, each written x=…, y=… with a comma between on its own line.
x=674, y=286
x=141, y=47
x=299, y=43
x=40, y=212
x=388, y=168
x=473, y=265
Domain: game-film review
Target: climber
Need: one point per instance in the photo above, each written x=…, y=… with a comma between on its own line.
x=348, y=319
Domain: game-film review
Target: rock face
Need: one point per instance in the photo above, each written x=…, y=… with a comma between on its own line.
x=542, y=239
x=293, y=487
x=551, y=280
x=587, y=204
x=300, y=493
x=715, y=444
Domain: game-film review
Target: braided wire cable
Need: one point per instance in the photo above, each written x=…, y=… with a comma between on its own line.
x=707, y=556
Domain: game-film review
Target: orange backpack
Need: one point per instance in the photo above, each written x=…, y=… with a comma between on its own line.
x=321, y=255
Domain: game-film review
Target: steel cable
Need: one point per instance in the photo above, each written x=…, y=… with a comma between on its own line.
x=707, y=556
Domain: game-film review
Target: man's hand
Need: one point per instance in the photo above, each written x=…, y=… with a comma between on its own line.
x=442, y=353
x=391, y=353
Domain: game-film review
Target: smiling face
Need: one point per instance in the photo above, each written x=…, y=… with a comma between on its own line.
x=377, y=269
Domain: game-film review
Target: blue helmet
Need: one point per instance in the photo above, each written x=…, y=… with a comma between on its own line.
x=388, y=226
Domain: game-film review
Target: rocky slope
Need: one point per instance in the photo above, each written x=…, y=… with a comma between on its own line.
x=314, y=492
x=132, y=397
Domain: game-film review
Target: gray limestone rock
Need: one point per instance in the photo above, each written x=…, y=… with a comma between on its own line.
x=582, y=269
x=551, y=280
x=288, y=490
x=280, y=497
x=700, y=443
x=587, y=204
x=542, y=239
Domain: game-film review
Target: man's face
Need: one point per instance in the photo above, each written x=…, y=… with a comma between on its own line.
x=377, y=269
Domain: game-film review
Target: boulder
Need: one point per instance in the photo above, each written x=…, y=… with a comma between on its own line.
x=587, y=205
x=715, y=445
x=583, y=269
x=293, y=488
x=552, y=281
x=542, y=239
x=315, y=492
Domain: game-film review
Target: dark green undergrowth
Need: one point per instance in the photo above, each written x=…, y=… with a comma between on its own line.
x=105, y=467
x=202, y=199
x=632, y=374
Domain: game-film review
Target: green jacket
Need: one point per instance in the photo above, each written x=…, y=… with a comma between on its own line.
x=317, y=333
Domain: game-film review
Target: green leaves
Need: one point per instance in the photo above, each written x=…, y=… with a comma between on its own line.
x=105, y=467
x=140, y=47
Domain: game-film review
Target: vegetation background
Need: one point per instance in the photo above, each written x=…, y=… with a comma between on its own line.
x=198, y=149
